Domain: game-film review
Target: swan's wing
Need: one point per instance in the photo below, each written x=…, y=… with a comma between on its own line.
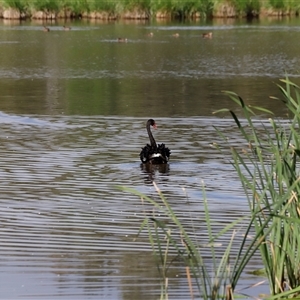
x=165, y=151
x=155, y=155
x=146, y=153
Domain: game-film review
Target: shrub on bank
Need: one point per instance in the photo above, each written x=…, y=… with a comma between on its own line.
x=144, y=9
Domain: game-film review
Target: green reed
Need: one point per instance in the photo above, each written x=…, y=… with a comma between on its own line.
x=281, y=4
x=269, y=172
x=247, y=7
x=21, y=5
x=173, y=8
x=171, y=243
x=268, y=168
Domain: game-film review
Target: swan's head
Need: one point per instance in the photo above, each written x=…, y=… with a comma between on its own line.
x=152, y=123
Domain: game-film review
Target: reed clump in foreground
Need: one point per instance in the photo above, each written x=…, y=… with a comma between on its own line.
x=269, y=172
x=172, y=243
x=145, y=9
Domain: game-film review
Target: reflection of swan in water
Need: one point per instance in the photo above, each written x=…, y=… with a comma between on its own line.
x=153, y=171
x=150, y=168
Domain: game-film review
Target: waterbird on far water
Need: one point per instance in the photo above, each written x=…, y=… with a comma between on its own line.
x=207, y=35
x=175, y=34
x=66, y=28
x=154, y=153
x=122, y=40
x=46, y=29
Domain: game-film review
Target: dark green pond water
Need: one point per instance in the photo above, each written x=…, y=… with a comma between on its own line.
x=73, y=107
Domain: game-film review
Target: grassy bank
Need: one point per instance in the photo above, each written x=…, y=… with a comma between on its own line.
x=145, y=9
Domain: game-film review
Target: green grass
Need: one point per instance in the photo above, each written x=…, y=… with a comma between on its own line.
x=216, y=278
x=21, y=5
x=247, y=7
x=167, y=234
x=269, y=173
x=175, y=8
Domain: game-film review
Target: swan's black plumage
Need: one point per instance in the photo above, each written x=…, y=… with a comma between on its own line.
x=154, y=153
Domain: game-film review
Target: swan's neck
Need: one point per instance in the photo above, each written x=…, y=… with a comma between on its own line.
x=151, y=138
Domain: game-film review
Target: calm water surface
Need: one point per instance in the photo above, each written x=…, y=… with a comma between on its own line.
x=73, y=110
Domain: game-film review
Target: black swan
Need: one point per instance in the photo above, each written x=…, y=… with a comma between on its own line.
x=154, y=153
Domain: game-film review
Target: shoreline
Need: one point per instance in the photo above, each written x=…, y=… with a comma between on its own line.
x=216, y=10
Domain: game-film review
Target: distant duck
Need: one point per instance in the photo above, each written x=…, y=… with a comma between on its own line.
x=122, y=40
x=154, y=153
x=207, y=35
x=175, y=35
x=150, y=34
x=66, y=28
x=46, y=29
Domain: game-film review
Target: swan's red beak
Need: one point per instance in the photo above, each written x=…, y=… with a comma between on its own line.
x=154, y=126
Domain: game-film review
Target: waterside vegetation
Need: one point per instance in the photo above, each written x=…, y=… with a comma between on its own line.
x=145, y=9
x=268, y=167
x=269, y=173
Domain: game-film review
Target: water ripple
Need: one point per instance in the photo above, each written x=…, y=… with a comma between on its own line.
x=61, y=208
